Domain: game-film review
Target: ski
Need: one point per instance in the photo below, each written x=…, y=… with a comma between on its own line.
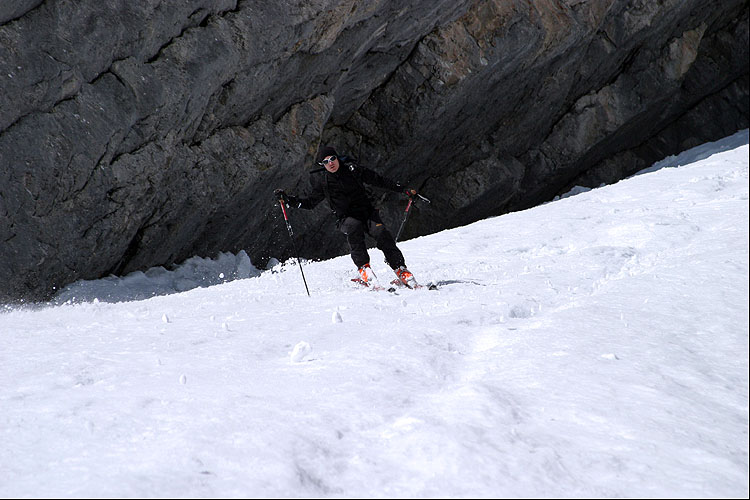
x=373, y=286
x=400, y=284
x=394, y=285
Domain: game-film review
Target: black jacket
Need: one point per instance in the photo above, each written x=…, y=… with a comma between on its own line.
x=345, y=189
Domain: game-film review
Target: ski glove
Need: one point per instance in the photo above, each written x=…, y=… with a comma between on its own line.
x=410, y=192
x=289, y=200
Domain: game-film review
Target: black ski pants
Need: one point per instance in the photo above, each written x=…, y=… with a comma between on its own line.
x=355, y=231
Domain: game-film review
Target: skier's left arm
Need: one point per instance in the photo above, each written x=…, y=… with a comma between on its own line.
x=373, y=178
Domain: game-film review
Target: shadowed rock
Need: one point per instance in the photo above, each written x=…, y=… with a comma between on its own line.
x=135, y=134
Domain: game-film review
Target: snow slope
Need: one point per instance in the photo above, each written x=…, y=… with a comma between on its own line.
x=595, y=346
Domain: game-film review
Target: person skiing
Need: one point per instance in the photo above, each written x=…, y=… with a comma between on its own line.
x=341, y=180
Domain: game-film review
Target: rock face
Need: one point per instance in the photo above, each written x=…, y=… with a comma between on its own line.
x=136, y=133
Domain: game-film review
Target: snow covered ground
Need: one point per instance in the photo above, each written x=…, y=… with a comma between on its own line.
x=595, y=346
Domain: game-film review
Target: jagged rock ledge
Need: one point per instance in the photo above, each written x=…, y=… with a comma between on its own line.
x=136, y=134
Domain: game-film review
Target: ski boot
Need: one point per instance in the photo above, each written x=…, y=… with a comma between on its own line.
x=406, y=277
x=366, y=276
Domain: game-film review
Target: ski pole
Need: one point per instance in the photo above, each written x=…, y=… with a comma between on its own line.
x=291, y=237
x=407, y=211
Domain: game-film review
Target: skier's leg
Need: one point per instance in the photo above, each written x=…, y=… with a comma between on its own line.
x=355, y=235
x=385, y=242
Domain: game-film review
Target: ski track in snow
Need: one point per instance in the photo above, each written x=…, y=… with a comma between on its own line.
x=595, y=346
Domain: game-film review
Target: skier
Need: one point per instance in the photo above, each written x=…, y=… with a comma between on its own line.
x=341, y=181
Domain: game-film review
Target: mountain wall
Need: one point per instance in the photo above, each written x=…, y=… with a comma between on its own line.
x=137, y=133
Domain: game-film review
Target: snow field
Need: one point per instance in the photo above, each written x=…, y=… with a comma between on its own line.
x=595, y=346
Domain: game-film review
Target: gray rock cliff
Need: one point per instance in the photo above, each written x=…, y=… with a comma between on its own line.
x=137, y=133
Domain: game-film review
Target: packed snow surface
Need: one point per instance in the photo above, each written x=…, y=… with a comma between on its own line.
x=594, y=346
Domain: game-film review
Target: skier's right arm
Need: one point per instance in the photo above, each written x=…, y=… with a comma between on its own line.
x=316, y=195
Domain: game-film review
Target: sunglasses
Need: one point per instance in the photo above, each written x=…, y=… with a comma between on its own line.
x=326, y=161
